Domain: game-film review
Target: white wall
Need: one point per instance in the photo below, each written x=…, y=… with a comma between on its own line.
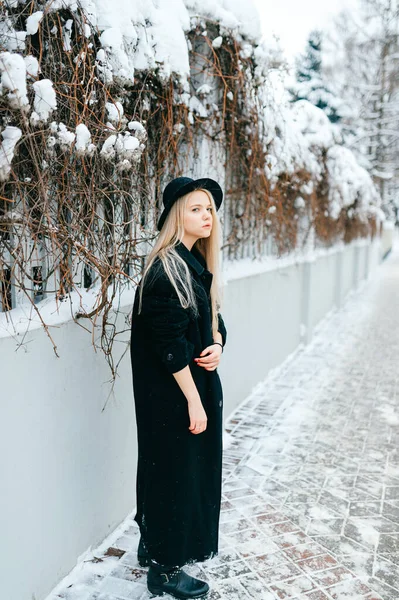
x=68, y=464
x=269, y=314
x=262, y=328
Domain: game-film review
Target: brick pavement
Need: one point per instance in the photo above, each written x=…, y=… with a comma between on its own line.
x=311, y=474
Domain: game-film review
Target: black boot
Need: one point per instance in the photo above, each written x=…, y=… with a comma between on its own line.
x=174, y=581
x=142, y=554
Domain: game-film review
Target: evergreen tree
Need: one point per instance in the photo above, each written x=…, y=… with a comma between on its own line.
x=310, y=84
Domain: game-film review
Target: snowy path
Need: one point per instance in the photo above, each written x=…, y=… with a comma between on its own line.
x=311, y=475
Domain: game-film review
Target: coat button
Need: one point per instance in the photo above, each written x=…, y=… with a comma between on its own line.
x=169, y=356
x=220, y=403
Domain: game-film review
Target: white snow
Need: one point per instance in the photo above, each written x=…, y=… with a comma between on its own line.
x=197, y=106
x=314, y=124
x=115, y=111
x=65, y=137
x=138, y=129
x=299, y=202
x=288, y=148
x=13, y=79
x=66, y=34
x=389, y=225
x=45, y=100
x=348, y=181
x=32, y=66
x=204, y=89
x=83, y=143
x=10, y=39
x=389, y=414
x=152, y=35
x=124, y=147
x=241, y=17
x=136, y=126
x=10, y=136
x=32, y=22
x=108, y=150
x=147, y=35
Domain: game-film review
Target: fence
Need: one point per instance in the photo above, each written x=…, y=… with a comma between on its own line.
x=68, y=448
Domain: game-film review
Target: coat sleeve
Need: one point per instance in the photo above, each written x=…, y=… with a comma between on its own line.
x=167, y=323
x=222, y=329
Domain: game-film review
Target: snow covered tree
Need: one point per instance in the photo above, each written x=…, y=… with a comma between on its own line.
x=360, y=58
x=310, y=82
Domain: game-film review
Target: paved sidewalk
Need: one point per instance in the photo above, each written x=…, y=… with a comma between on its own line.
x=311, y=475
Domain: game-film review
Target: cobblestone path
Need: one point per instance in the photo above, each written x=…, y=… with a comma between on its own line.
x=311, y=473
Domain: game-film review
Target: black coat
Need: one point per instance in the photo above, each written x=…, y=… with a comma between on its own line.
x=178, y=473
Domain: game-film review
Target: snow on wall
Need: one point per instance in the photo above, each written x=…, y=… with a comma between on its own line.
x=288, y=148
x=10, y=136
x=145, y=34
x=296, y=136
x=13, y=79
x=348, y=182
x=151, y=34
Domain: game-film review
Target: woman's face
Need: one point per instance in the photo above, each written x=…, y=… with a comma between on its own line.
x=198, y=218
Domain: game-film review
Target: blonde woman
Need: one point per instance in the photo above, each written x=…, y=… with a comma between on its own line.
x=177, y=340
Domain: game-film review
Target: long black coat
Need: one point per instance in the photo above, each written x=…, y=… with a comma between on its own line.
x=178, y=473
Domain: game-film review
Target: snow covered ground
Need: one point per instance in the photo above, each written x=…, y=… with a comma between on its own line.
x=311, y=474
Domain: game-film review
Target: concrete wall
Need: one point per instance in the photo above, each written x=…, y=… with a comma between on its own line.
x=262, y=326
x=68, y=464
x=269, y=314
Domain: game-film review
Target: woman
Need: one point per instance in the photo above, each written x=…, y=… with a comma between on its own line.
x=177, y=339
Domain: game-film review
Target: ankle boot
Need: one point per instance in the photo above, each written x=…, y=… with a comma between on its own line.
x=174, y=581
x=142, y=554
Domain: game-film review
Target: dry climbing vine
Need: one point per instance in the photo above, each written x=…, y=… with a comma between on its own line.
x=74, y=220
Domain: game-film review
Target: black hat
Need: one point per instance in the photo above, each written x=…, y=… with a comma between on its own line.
x=183, y=185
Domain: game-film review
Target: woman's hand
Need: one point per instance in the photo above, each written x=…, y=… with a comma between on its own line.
x=211, y=361
x=198, y=418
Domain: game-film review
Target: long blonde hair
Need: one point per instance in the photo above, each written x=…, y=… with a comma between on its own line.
x=176, y=267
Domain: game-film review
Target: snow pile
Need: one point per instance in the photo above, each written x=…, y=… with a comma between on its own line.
x=83, y=140
x=61, y=136
x=152, y=36
x=32, y=22
x=13, y=80
x=115, y=112
x=10, y=136
x=32, y=66
x=314, y=125
x=234, y=15
x=288, y=150
x=137, y=35
x=45, y=101
x=348, y=182
x=125, y=147
x=297, y=135
x=10, y=39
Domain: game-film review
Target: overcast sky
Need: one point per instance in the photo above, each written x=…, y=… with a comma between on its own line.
x=292, y=20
